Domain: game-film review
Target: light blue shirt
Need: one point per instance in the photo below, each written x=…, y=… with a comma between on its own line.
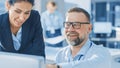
x=17, y=39
x=1, y=46
x=51, y=21
x=89, y=56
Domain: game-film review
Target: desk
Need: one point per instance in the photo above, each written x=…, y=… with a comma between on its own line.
x=108, y=42
x=106, y=39
x=55, y=40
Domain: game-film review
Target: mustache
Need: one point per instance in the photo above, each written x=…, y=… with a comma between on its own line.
x=73, y=32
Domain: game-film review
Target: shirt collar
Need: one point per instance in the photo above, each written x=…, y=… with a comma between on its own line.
x=48, y=13
x=20, y=30
x=85, y=48
x=82, y=51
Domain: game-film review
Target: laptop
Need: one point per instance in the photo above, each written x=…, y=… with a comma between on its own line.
x=13, y=60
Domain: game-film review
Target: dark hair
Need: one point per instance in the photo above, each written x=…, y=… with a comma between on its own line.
x=12, y=2
x=52, y=2
x=77, y=9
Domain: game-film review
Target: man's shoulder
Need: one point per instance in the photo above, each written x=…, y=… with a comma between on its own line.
x=44, y=13
x=99, y=48
x=64, y=49
x=95, y=46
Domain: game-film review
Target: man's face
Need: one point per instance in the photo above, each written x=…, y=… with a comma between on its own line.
x=77, y=33
x=51, y=8
x=19, y=13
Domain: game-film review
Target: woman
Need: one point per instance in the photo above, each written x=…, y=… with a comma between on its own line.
x=20, y=29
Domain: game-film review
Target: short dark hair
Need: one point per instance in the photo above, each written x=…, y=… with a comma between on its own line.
x=12, y=2
x=77, y=9
x=52, y=2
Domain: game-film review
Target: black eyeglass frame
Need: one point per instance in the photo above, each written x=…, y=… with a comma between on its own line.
x=73, y=25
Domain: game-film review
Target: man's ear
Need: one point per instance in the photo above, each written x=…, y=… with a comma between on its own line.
x=89, y=28
x=7, y=5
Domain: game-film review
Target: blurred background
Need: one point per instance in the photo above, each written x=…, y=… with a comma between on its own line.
x=105, y=17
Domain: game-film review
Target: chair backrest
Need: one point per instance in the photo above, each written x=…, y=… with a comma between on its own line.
x=13, y=60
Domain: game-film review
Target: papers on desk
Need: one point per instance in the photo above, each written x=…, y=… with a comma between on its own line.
x=54, y=40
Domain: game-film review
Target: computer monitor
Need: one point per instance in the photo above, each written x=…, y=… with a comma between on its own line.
x=13, y=60
x=102, y=27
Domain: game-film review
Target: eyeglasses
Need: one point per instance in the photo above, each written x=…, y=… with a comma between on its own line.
x=75, y=25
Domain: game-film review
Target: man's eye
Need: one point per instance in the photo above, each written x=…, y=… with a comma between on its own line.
x=75, y=24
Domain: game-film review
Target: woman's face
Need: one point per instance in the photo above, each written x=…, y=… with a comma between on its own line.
x=19, y=13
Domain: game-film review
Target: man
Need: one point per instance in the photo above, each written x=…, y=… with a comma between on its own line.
x=81, y=52
x=52, y=23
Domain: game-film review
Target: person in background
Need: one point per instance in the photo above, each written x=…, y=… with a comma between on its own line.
x=52, y=23
x=81, y=52
x=20, y=29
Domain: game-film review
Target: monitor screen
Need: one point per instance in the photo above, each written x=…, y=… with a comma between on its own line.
x=102, y=27
x=13, y=60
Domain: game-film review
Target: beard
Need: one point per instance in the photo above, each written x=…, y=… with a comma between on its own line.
x=75, y=42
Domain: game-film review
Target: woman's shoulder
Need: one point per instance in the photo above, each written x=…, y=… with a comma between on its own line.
x=3, y=17
x=34, y=13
